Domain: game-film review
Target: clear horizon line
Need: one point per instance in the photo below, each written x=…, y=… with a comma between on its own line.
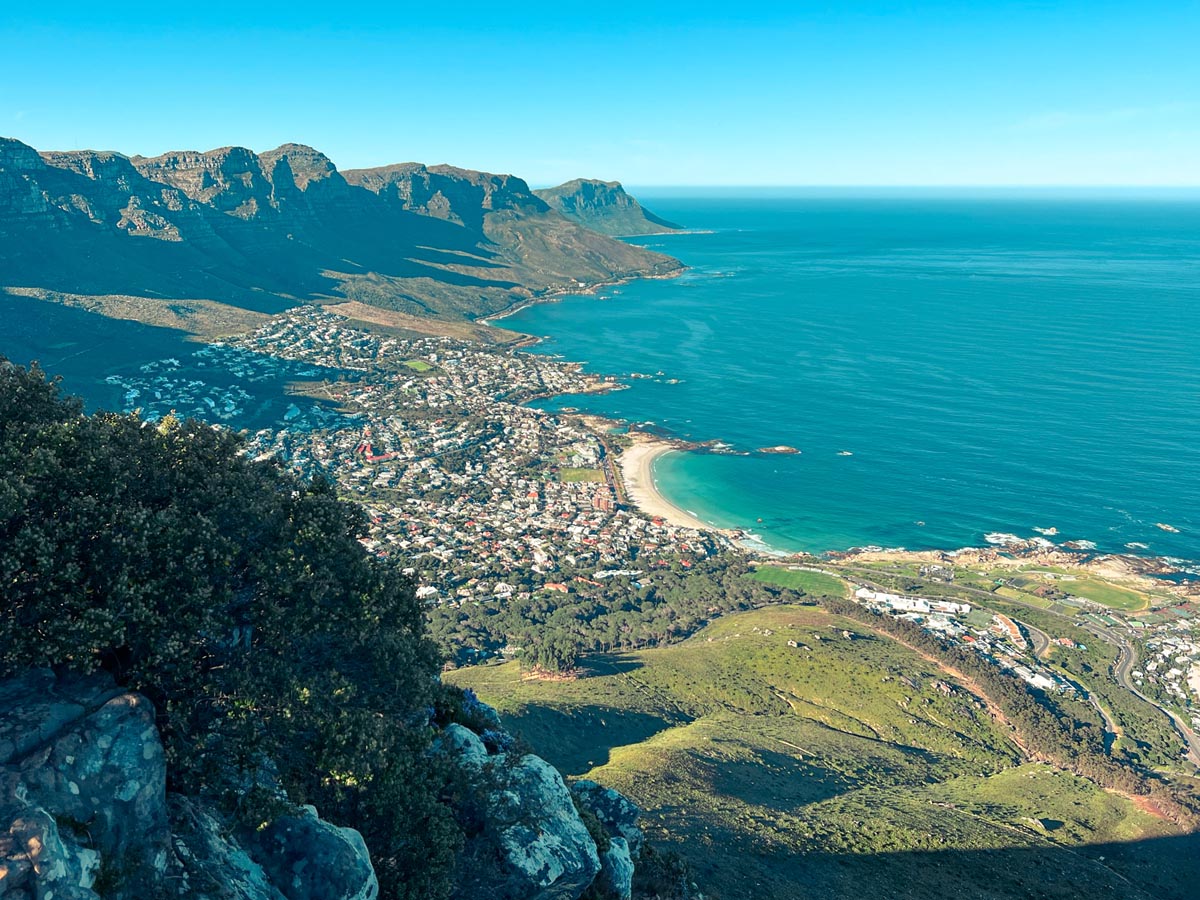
x=923, y=186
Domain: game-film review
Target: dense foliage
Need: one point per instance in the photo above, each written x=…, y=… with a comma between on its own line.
x=620, y=613
x=276, y=651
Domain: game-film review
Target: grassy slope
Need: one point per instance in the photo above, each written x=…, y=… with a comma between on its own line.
x=840, y=770
x=814, y=583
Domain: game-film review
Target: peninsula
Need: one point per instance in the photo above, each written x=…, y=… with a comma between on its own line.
x=604, y=206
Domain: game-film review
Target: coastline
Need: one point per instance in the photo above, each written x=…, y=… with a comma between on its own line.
x=1143, y=573
x=589, y=291
x=635, y=468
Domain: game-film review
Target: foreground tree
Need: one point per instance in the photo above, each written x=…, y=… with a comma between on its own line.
x=276, y=650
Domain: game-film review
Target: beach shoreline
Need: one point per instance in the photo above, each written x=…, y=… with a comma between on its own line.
x=635, y=468
x=637, y=472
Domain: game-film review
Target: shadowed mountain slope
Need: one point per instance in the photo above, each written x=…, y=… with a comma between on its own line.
x=605, y=207
x=265, y=231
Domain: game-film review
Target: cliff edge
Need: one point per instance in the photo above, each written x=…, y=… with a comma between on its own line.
x=604, y=206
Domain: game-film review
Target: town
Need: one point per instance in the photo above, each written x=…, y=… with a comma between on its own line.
x=467, y=484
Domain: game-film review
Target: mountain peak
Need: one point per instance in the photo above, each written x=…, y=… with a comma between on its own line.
x=16, y=155
x=603, y=206
x=307, y=165
x=265, y=231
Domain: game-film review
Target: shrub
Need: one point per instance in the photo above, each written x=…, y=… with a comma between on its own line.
x=240, y=601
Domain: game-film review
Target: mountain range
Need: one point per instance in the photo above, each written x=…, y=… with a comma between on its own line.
x=266, y=231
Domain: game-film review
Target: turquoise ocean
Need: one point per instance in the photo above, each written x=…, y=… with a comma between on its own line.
x=990, y=363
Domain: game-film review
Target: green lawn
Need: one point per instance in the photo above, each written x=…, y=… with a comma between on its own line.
x=418, y=365
x=816, y=583
x=569, y=474
x=1109, y=594
x=1082, y=584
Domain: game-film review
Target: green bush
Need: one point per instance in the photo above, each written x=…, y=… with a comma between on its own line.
x=237, y=599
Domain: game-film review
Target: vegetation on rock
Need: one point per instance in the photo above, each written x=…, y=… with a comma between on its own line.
x=278, y=654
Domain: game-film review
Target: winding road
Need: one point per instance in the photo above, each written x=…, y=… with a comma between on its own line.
x=1126, y=660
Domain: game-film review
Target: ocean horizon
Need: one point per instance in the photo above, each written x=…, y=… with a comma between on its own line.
x=950, y=365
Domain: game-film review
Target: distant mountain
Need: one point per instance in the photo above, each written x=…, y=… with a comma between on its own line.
x=265, y=231
x=605, y=207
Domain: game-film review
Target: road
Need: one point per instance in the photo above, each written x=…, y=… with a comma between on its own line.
x=1126, y=660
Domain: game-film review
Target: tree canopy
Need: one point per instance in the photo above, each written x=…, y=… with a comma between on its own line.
x=239, y=600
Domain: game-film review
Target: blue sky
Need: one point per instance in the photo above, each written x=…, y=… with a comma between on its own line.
x=870, y=93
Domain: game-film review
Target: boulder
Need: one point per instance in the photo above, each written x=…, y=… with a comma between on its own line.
x=83, y=781
x=36, y=860
x=307, y=858
x=465, y=744
x=208, y=862
x=616, y=870
x=535, y=846
x=616, y=812
x=84, y=812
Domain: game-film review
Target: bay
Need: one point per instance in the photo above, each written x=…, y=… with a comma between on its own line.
x=991, y=363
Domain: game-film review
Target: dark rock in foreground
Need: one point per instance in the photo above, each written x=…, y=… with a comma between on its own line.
x=85, y=815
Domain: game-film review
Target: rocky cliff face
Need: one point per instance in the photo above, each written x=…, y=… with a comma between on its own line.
x=604, y=206
x=445, y=192
x=264, y=231
x=85, y=815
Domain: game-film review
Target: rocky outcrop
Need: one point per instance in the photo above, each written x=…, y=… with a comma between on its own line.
x=83, y=788
x=534, y=845
x=616, y=812
x=604, y=206
x=618, y=815
x=616, y=870
x=85, y=815
x=546, y=847
x=307, y=858
x=264, y=231
x=447, y=192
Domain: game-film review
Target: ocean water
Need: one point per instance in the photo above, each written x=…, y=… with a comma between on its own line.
x=990, y=363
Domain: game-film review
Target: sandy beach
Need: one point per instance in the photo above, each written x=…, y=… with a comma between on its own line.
x=637, y=471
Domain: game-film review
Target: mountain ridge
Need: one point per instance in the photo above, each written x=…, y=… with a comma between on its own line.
x=265, y=231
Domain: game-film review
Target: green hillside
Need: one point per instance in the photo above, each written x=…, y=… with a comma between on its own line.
x=844, y=766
